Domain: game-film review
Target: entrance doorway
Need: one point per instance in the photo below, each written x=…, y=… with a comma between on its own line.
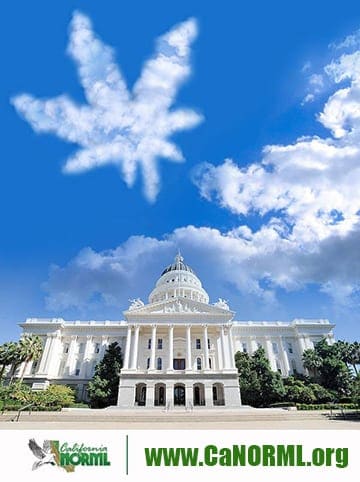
x=179, y=363
x=199, y=394
x=179, y=395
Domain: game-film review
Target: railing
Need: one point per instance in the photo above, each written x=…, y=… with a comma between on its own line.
x=19, y=412
x=167, y=408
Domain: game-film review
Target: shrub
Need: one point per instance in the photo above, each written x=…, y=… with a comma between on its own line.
x=54, y=395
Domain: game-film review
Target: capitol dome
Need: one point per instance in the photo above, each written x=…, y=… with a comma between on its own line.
x=178, y=280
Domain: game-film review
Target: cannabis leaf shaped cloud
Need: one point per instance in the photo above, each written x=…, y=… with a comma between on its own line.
x=116, y=126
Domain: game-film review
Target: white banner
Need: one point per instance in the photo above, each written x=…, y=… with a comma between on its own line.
x=135, y=455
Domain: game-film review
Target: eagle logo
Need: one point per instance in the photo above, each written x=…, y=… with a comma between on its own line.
x=44, y=454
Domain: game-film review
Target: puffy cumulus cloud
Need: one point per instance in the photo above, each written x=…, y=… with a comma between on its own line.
x=129, y=130
x=305, y=197
x=232, y=263
x=310, y=189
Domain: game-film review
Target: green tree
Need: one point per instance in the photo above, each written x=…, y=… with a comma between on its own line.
x=353, y=356
x=328, y=365
x=8, y=351
x=104, y=387
x=18, y=356
x=312, y=361
x=355, y=392
x=297, y=391
x=259, y=385
x=31, y=348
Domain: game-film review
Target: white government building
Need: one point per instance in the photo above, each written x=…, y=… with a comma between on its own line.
x=178, y=349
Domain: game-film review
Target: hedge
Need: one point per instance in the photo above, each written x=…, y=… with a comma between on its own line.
x=327, y=406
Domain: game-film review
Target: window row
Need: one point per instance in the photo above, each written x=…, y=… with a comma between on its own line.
x=81, y=348
x=275, y=347
x=160, y=343
x=176, y=364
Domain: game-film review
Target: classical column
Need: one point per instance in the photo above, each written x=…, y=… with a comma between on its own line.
x=222, y=336
x=284, y=356
x=45, y=354
x=150, y=395
x=231, y=348
x=104, y=341
x=127, y=349
x=169, y=395
x=136, y=347
x=50, y=357
x=188, y=348
x=206, y=348
x=85, y=360
x=253, y=346
x=269, y=353
x=70, y=358
x=171, y=347
x=153, y=347
x=208, y=395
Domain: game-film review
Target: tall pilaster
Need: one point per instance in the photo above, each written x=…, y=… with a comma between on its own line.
x=171, y=347
x=206, y=347
x=136, y=348
x=127, y=348
x=86, y=357
x=231, y=348
x=153, y=347
x=70, y=361
x=223, y=355
x=188, y=348
x=284, y=356
x=45, y=354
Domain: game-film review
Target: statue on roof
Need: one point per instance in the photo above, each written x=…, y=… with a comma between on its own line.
x=223, y=304
x=136, y=304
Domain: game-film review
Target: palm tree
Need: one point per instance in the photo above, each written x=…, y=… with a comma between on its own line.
x=311, y=360
x=354, y=356
x=31, y=348
x=16, y=359
x=8, y=352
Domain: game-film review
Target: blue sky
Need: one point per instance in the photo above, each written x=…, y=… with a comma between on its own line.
x=272, y=229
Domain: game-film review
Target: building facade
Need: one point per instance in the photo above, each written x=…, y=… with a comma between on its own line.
x=178, y=348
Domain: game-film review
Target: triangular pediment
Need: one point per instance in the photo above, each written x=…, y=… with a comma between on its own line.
x=177, y=305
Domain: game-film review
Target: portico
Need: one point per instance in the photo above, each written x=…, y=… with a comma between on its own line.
x=179, y=348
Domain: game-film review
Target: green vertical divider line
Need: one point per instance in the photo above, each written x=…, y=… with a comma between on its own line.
x=127, y=455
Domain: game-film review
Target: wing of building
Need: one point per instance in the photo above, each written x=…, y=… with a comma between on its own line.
x=178, y=349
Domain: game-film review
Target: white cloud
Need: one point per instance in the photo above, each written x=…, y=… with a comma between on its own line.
x=304, y=196
x=311, y=189
x=129, y=130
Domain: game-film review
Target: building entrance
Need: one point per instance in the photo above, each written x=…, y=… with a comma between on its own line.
x=179, y=395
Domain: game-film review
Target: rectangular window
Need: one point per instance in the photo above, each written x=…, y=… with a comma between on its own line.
x=275, y=348
x=290, y=348
x=149, y=344
x=259, y=345
x=160, y=344
x=66, y=348
x=244, y=348
x=77, y=369
x=81, y=347
x=97, y=347
x=209, y=343
x=198, y=344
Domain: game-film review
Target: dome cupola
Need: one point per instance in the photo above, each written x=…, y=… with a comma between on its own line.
x=178, y=280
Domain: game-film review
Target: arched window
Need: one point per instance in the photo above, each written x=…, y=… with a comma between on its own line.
x=159, y=364
x=198, y=363
x=148, y=363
